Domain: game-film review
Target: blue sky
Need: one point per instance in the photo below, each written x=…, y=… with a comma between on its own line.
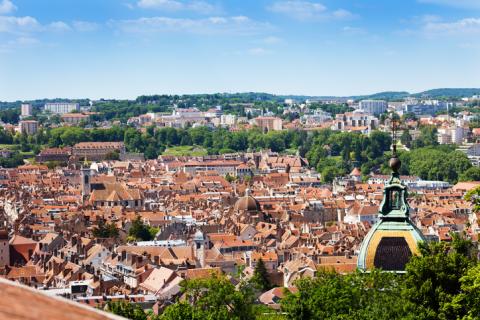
x=125, y=48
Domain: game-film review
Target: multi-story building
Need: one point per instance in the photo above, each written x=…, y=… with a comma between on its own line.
x=429, y=107
x=318, y=117
x=74, y=118
x=221, y=167
x=96, y=151
x=28, y=126
x=26, y=110
x=373, y=106
x=228, y=119
x=61, y=107
x=54, y=154
x=269, y=123
x=355, y=121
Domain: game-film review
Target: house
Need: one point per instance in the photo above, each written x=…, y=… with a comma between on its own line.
x=162, y=282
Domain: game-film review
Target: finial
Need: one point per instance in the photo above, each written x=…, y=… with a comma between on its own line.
x=394, y=162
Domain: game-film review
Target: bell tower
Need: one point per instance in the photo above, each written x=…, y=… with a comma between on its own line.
x=86, y=181
x=394, y=238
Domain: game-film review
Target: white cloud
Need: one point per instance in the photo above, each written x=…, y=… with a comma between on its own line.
x=353, y=30
x=239, y=25
x=85, y=26
x=272, y=40
x=465, y=26
x=301, y=10
x=18, y=24
x=177, y=5
x=342, y=14
x=473, y=4
x=59, y=26
x=6, y=6
x=308, y=10
x=258, y=51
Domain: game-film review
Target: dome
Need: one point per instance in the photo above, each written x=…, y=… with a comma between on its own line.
x=247, y=203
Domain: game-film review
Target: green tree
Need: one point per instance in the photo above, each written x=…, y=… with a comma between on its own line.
x=126, y=309
x=260, y=276
x=139, y=230
x=375, y=295
x=406, y=138
x=471, y=174
x=212, y=298
x=433, y=278
x=105, y=230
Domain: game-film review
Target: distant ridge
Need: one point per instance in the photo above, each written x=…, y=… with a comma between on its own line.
x=440, y=93
x=449, y=92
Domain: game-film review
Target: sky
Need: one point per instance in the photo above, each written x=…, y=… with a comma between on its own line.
x=126, y=48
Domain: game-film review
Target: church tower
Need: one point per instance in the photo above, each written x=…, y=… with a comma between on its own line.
x=86, y=181
x=201, y=243
x=394, y=238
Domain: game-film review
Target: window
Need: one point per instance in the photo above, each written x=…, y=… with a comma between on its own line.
x=395, y=200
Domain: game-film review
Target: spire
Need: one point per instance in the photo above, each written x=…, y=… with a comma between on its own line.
x=394, y=162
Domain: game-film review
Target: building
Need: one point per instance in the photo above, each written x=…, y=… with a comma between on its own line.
x=114, y=194
x=356, y=121
x=429, y=108
x=269, y=123
x=221, y=167
x=394, y=239
x=96, y=151
x=74, y=118
x=26, y=110
x=54, y=154
x=317, y=118
x=4, y=248
x=228, y=119
x=61, y=107
x=28, y=127
x=375, y=107
x=449, y=135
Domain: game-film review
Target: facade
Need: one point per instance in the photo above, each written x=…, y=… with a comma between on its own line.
x=373, y=106
x=74, y=118
x=112, y=195
x=28, y=127
x=96, y=151
x=54, y=154
x=4, y=248
x=26, y=110
x=269, y=123
x=221, y=167
x=355, y=122
x=61, y=107
x=424, y=108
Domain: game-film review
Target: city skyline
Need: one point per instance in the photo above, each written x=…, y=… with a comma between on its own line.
x=122, y=49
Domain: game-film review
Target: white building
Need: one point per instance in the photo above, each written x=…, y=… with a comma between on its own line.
x=269, y=123
x=29, y=127
x=318, y=117
x=356, y=121
x=228, y=119
x=26, y=110
x=373, y=106
x=61, y=107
